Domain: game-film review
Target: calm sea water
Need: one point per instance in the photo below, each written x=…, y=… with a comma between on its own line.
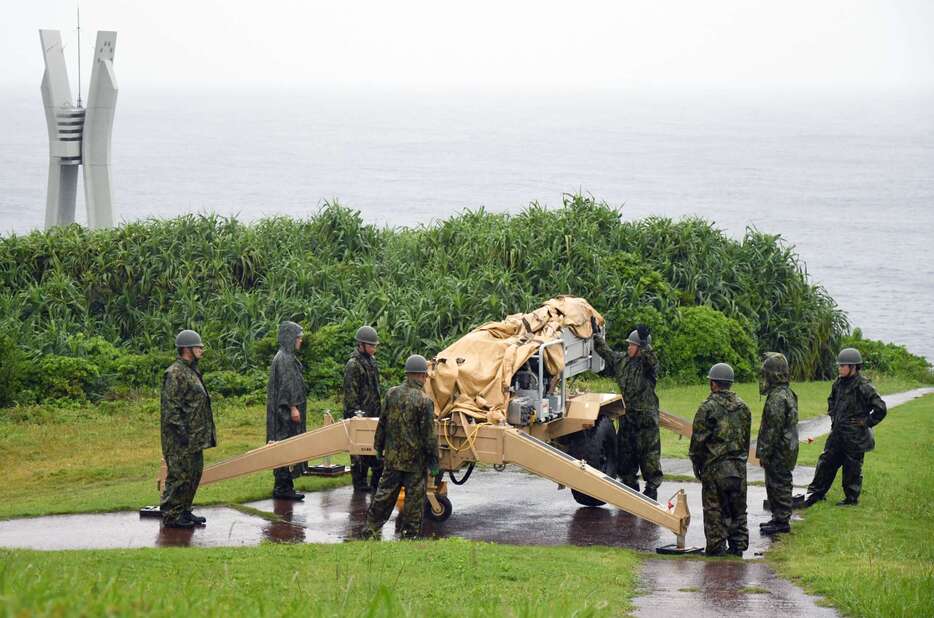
x=848, y=180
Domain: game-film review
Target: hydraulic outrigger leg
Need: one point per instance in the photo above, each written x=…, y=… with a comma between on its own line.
x=463, y=444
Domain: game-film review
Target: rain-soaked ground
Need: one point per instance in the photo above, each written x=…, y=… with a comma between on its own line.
x=717, y=588
x=504, y=507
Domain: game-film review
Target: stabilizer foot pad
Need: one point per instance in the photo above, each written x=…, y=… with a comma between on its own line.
x=327, y=470
x=674, y=550
x=150, y=511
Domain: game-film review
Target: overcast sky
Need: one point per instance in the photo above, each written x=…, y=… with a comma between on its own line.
x=438, y=45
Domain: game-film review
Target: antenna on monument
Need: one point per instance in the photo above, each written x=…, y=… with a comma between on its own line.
x=78, y=5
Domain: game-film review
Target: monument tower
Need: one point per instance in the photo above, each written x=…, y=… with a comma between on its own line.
x=78, y=135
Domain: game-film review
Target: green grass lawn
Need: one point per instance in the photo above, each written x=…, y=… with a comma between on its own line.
x=106, y=457
x=449, y=577
x=876, y=559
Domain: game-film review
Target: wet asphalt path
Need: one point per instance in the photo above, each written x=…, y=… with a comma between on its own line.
x=718, y=588
x=504, y=507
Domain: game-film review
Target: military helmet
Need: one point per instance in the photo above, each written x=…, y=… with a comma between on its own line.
x=416, y=364
x=849, y=356
x=637, y=340
x=188, y=339
x=775, y=363
x=721, y=372
x=367, y=334
x=775, y=370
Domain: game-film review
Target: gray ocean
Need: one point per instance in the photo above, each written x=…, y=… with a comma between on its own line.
x=848, y=180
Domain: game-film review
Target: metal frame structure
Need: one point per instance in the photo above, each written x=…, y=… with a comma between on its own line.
x=77, y=135
x=465, y=443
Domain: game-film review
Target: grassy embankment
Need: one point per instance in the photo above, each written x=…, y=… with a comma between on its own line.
x=876, y=559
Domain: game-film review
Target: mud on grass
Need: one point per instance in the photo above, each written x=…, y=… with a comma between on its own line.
x=449, y=577
x=875, y=559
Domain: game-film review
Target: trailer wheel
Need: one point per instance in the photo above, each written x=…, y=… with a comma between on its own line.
x=596, y=446
x=446, y=509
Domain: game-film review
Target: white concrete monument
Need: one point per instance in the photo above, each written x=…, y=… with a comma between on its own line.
x=79, y=136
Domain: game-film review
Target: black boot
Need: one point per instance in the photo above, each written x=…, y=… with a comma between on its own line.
x=196, y=518
x=181, y=522
x=768, y=523
x=775, y=528
x=651, y=492
x=812, y=500
x=848, y=502
x=289, y=494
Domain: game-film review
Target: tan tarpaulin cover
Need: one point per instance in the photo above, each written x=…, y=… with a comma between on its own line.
x=474, y=373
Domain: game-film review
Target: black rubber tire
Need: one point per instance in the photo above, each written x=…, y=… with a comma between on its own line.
x=596, y=446
x=446, y=505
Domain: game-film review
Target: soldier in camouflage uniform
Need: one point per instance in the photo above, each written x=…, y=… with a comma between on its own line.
x=638, y=441
x=719, y=451
x=286, y=404
x=407, y=443
x=187, y=428
x=777, y=442
x=854, y=407
x=362, y=397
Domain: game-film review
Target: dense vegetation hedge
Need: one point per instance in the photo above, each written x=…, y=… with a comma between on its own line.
x=113, y=299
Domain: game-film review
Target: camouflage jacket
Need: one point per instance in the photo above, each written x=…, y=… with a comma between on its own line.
x=636, y=376
x=777, y=442
x=854, y=406
x=720, y=440
x=406, y=434
x=361, y=385
x=186, y=410
x=286, y=387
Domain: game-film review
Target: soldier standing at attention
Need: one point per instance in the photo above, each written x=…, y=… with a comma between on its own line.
x=854, y=407
x=719, y=451
x=638, y=441
x=407, y=443
x=362, y=398
x=286, y=403
x=187, y=427
x=777, y=442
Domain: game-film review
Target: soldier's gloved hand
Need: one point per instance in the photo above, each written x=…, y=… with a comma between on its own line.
x=644, y=332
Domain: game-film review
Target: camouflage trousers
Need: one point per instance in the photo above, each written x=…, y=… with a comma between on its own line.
x=181, y=483
x=724, y=502
x=778, y=490
x=390, y=482
x=639, y=446
x=360, y=466
x=835, y=455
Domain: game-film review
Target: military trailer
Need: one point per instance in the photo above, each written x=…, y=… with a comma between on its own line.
x=502, y=396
